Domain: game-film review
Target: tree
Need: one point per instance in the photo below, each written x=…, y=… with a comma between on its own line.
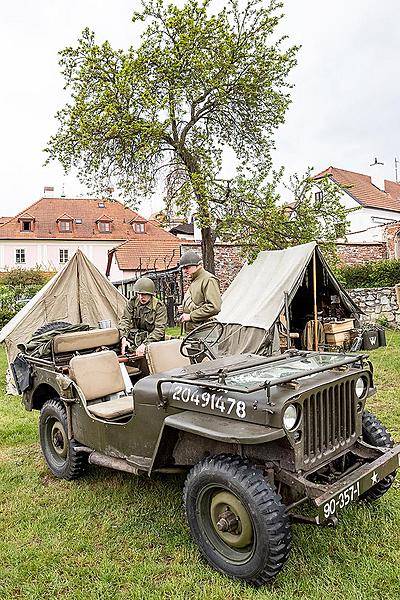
x=253, y=214
x=197, y=83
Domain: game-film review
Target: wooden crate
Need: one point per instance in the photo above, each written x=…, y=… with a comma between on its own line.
x=338, y=338
x=339, y=326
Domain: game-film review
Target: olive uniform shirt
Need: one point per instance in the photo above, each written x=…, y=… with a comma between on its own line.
x=143, y=323
x=202, y=300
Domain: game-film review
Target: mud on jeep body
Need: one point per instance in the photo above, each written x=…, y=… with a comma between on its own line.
x=260, y=437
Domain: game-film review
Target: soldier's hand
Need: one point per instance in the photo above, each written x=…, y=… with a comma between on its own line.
x=140, y=350
x=185, y=317
x=124, y=345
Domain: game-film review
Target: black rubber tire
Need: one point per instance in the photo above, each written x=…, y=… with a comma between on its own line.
x=59, y=452
x=375, y=434
x=269, y=546
x=50, y=327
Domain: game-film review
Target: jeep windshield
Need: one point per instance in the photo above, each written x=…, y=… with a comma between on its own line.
x=288, y=369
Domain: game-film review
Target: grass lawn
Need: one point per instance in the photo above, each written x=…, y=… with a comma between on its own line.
x=111, y=535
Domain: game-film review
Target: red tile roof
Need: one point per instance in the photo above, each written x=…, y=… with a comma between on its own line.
x=47, y=211
x=361, y=188
x=156, y=250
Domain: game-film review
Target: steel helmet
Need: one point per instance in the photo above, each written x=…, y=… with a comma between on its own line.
x=189, y=258
x=144, y=285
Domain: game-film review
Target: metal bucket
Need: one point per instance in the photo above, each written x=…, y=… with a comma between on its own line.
x=105, y=324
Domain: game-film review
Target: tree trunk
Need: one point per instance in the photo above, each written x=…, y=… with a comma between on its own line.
x=207, y=248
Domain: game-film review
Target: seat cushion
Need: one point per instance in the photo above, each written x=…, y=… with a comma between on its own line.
x=111, y=409
x=83, y=340
x=97, y=374
x=163, y=356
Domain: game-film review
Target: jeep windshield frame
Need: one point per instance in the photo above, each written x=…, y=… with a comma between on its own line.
x=218, y=379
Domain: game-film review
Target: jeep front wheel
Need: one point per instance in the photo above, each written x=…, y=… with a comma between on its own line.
x=237, y=519
x=59, y=452
x=375, y=434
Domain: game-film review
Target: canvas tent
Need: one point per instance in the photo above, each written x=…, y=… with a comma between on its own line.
x=79, y=293
x=279, y=282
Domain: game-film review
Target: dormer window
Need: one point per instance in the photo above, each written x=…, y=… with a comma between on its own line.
x=139, y=227
x=101, y=205
x=26, y=222
x=104, y=224
x=65, y=223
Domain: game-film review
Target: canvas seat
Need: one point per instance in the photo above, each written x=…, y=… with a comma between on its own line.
x=165, y=355
x=83, y=340
x=100, y=379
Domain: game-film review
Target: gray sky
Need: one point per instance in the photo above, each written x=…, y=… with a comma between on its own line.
x=344, y=109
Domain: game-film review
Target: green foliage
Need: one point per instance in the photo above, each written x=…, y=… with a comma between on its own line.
x=382, y=273
x=254, y=215
x=16, y=287
x=197, y=83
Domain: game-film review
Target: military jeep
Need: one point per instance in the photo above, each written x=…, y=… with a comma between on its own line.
x=264, y=440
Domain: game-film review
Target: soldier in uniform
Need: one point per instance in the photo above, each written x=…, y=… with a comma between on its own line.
x=202, y=301
x=144, y=319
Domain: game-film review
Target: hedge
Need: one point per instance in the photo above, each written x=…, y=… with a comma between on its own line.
x=382, y=273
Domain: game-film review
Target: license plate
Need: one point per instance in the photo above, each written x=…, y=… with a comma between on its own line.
x=331, y=503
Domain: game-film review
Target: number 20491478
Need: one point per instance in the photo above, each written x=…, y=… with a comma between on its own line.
x=212, y=401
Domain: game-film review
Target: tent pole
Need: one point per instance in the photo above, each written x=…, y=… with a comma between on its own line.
x=315, y=301
x=287, y=320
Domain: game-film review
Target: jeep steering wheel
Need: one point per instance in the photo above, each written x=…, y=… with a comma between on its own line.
x=202, y=339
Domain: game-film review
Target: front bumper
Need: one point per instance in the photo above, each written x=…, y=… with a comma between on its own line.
x=351, y=487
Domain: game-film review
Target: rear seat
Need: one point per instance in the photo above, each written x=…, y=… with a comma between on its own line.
x=84, y=340
x=99, y=377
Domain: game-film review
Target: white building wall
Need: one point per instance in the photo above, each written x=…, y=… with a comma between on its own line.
x=46, y=255
x=366, y=224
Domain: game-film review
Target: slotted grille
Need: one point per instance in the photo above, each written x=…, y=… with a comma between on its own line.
x=329, y=419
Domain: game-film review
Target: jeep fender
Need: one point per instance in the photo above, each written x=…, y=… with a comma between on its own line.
x=228, y=431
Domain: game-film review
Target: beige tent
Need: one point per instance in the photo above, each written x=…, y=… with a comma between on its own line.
x=79, y=293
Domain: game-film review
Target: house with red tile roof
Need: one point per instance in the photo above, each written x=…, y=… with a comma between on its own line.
x=377, y=200
x=49, y=232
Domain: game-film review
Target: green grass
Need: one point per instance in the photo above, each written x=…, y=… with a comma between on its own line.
x=114, y=536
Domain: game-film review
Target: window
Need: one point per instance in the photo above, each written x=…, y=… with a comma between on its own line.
x=63, y=255
x=139, y=227
x=20, y=256
x=26, y=225
x=318, y=195
x=78, y=221
x=101, y=205
x=64, y=225
x=104, y=226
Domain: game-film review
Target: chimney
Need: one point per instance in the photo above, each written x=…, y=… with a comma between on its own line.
x=48, y=192
x=377, y=174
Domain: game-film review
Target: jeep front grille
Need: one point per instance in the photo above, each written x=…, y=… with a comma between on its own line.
x=329, y=420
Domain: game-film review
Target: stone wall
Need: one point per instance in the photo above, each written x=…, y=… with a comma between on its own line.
x=379, y=303
x=352, y=254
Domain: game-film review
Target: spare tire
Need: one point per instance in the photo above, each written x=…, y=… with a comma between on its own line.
x=54, y=325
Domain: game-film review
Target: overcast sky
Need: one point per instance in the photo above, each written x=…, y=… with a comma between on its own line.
x=345, y=104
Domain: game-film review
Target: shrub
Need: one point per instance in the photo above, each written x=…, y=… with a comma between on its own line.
x=382, y=273
x=16, y=287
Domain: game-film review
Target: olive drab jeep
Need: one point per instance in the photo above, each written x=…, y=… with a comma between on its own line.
x=260, y=439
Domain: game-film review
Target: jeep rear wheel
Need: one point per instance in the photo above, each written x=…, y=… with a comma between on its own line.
x=237, y=519
x=374, y=433
x=59, y=452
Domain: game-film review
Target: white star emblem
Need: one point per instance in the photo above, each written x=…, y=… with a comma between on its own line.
x=375, y=478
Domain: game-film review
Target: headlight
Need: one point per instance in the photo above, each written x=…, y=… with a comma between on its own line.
x=290, y=417
x=361, y=387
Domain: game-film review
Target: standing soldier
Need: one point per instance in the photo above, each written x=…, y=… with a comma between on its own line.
x=202, y=301
x=144, y=319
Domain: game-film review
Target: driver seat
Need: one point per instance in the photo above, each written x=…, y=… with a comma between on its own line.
x=163, y=356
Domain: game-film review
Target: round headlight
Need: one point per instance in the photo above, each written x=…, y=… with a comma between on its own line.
x=290, y=417
x=361, y=387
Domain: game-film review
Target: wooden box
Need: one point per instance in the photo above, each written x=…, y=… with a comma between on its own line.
x=338, y=338
x=339, y=326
